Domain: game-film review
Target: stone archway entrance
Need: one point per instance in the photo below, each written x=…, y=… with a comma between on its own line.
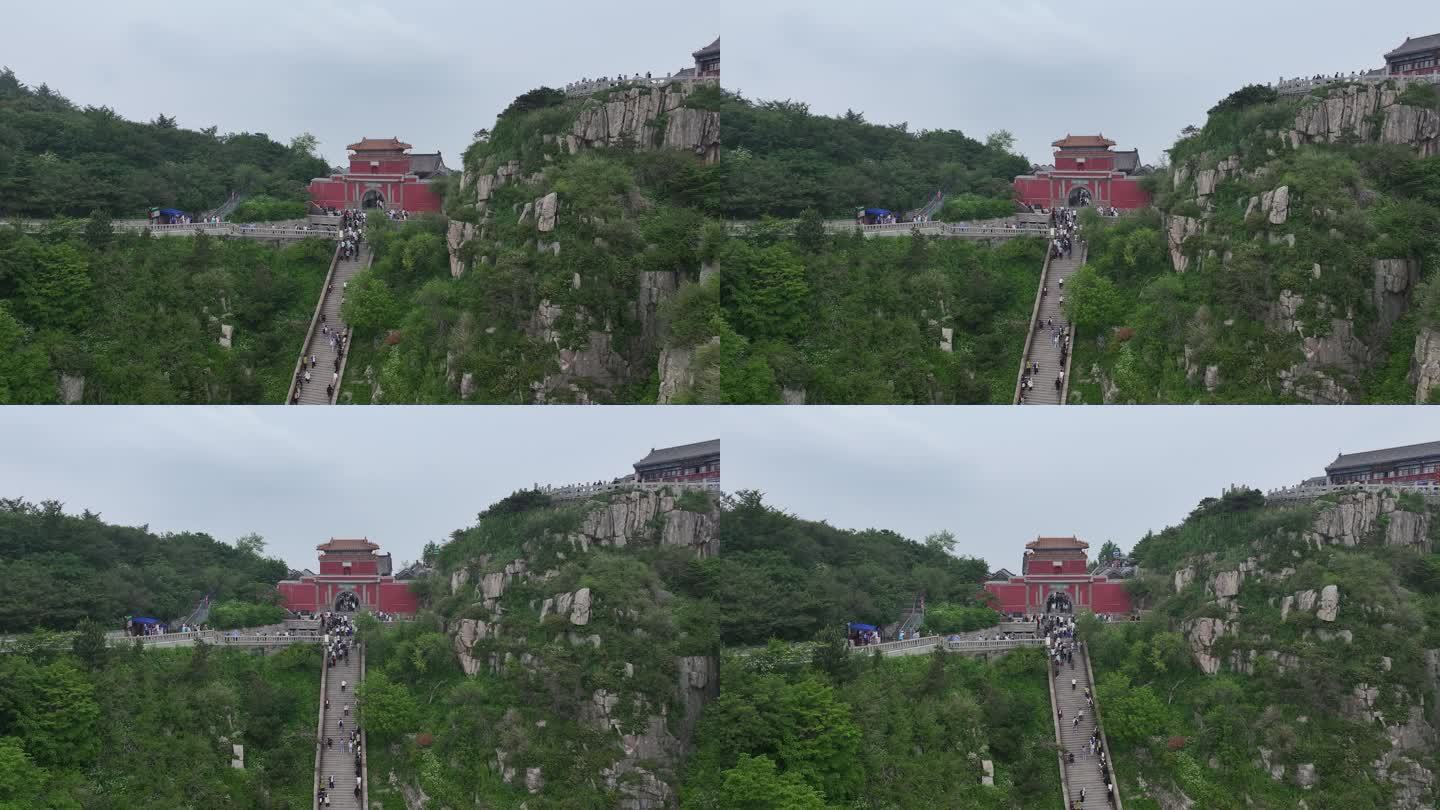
x=1079, y=197
x=1059, y=602
x=347, y=602
x=372, y=199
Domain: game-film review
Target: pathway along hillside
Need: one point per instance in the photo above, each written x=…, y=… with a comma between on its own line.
x=1040, y=346
x=1084, y=772
x=333, y=760
x=329, y=365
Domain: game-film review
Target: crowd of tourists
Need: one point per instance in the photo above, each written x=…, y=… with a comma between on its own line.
x=1060, y=644
x=604, y=81
x=397, y=214
x=1064, y=235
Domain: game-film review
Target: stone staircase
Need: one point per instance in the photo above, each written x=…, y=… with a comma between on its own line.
x=334, y=760
x=318, y=343
x=1085, y=772
x=1043, y=350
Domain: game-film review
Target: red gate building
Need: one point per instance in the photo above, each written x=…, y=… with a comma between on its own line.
x=383, y=175
x=1054, y=574
x=1086, y=172
x=349, y=566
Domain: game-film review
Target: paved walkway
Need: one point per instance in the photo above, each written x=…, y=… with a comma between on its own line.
x=334, y=760
x=1085, y=772
x=327, y=362
x=1043, y=348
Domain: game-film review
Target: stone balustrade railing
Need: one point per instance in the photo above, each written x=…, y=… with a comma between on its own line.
x=1302, y=86
x=586, y=88
x=1311, y=492
x=580, y=491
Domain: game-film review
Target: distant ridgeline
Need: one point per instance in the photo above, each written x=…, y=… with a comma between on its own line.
x=1291, y=258
x=1290, y=653
x=63, y=568
x=57, y=158
x=577, y=264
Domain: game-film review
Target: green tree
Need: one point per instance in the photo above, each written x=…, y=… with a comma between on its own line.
x=810, y=231
x=25, y=377
x=1110, y=550
x=57, y=293
x=754, y=784
x=98, y=232
x=89, y=644
x=1133, y=714
x=387, y=709
x=832, y=654
x=58, y=715
x=369, y=304
x=251, y=543
x=1092, y=301
x=818, y=739
x=943, y=540
x=21, y=780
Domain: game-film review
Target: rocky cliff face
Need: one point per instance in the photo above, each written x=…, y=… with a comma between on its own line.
x=1351, y=336
x=555, y=608
x=595, y=361
x=635, y=116
x=1268, y=615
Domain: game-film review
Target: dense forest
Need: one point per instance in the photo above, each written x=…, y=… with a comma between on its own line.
x=1295, y=704
x=865, y=731
x=96, y=317
x=511, y=314
x=60, y=159
x=783, y=160
x=1230, y=291
x=780, y=577
x=818, y=318
x=843, y=319
x=62, y=569
x=89, y=727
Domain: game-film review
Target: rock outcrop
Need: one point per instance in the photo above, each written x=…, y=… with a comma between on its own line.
x=1361, y=517
x=1425, y=364
x=636, y=518
x=652, y=730
x=1354, y=112
x=1203, y=635
x=634, y=116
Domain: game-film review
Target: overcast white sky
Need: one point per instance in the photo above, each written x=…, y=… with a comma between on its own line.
x=428, y=72
x=1137, y=70
x=400, y=476
x=998, y=477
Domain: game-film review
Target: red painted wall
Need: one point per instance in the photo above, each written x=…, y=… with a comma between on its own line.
x=297, y=595
x=1094, y=162
x=1011, y=598
x=395, y=597
x=357, y=567
x=1111, y=597
x=361, y=165
x=347, y=191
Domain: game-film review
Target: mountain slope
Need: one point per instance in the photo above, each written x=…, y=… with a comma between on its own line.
x=1291, y=262
x=575, y=265
x=1290, y=653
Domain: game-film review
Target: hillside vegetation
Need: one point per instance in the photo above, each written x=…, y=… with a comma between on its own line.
x=550, y=631
x=838, y=319
x=57, y=158
x=62, y=569
x=1288, y=655
x=91, y=727
x=100, y=318
x=589, y=297
x=1290, y=258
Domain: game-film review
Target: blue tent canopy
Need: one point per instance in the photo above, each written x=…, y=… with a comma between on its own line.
x=172, y=212
x=858, y=626
x=877, y=212
x=144, y=620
